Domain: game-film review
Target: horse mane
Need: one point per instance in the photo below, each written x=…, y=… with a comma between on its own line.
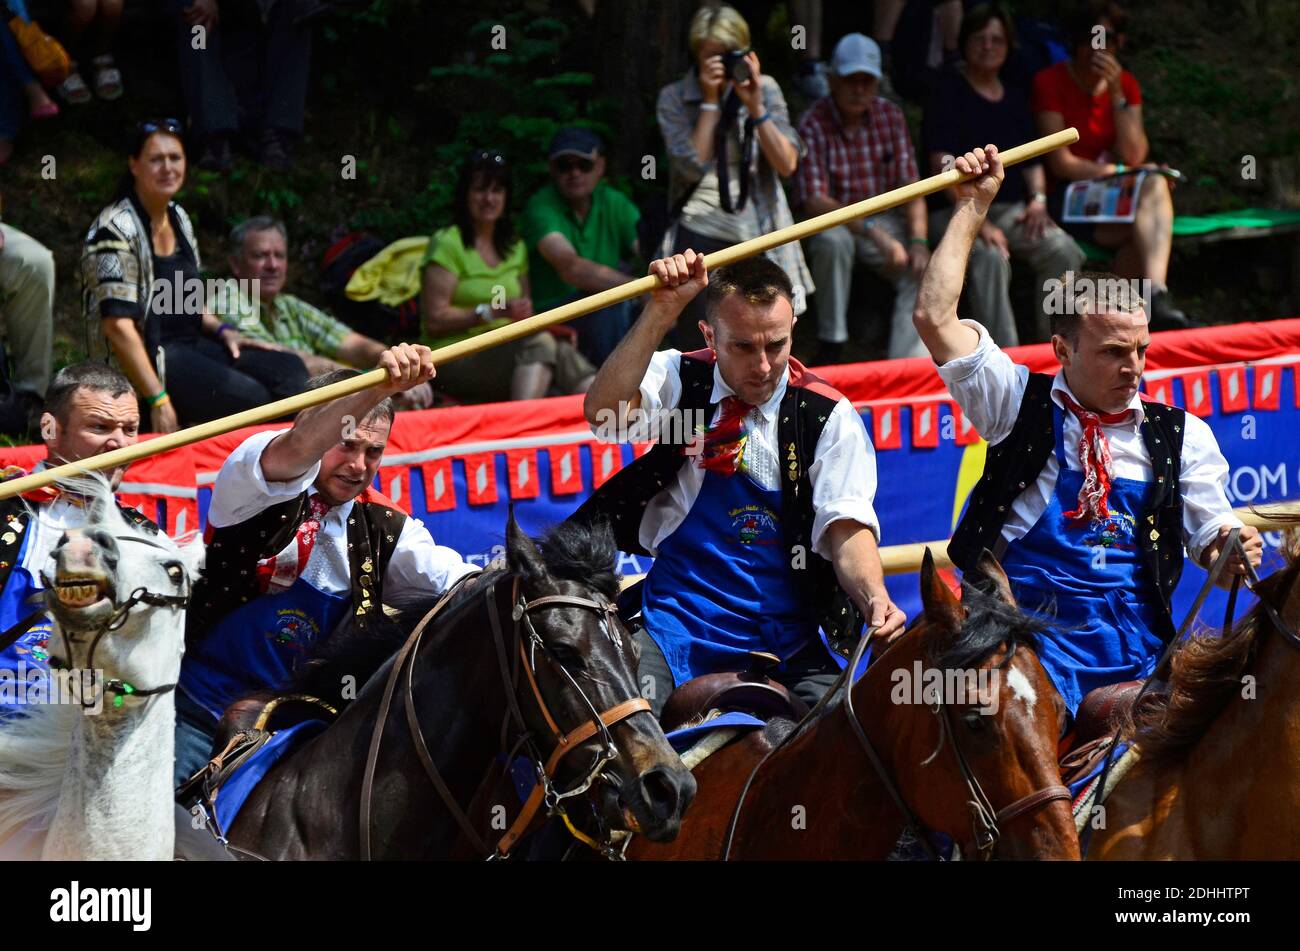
x=990, y=623
x=33, y=761
x=1205, y=673
x=587, y=554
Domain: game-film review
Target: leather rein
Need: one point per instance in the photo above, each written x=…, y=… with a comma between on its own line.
x=985, y=819
x=521, y=651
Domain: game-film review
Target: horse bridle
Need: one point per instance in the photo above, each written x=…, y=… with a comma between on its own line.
x=985, y=820
x=544, y=792
x=121, y=689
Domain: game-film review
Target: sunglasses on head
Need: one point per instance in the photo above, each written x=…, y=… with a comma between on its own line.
x=566, y=165
x=487, y=157
x=150, y=126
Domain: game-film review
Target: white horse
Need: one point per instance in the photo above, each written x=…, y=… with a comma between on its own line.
x=91, y=774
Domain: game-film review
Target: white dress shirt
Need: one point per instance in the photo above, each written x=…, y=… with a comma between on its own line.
x=989, y=386
x=418, y=567
x=843, y=471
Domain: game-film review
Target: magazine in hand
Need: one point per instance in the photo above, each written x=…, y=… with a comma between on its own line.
x=1099, y=200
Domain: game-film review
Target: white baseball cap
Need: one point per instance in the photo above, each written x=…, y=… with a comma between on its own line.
x=855, y=53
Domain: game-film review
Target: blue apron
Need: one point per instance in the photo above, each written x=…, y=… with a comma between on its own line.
x=722, y=584
x=1093, y=578
x=260, y=645
x=27, y=658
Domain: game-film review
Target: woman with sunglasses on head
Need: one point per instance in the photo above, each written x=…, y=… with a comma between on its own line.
x=140, y=279
x=476, y=279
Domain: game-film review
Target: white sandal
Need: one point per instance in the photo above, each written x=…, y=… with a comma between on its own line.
x=108, y=79
x=74, y=90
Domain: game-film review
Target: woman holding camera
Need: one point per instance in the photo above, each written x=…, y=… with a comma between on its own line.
x=730, y=142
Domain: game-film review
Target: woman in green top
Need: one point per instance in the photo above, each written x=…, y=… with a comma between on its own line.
x=476, y=279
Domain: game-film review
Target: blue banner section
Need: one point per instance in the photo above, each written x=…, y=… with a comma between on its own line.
x=922, y=489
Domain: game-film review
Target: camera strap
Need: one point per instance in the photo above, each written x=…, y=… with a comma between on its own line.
x=730, y=113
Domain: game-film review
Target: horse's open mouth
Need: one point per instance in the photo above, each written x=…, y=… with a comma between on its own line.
x=81, y=591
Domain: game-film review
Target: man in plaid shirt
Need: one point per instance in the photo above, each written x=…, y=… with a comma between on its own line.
x=858, y=146
x=259, y=258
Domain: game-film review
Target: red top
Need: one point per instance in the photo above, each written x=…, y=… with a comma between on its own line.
x=1056, y=91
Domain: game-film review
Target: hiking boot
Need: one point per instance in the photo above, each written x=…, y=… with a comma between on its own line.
x=274, y=153
x=215, y=154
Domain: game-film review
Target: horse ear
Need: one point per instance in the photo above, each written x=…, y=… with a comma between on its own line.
x=521, y=553
x=941, y=606
x=989, y=576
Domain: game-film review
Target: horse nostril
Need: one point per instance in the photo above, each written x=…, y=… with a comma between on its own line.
x=661, y=792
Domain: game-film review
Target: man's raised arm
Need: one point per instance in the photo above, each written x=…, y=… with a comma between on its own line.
x=316, y=429
x=617, y=386
x=935, y=316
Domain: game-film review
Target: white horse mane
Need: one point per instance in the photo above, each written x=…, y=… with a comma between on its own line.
x=34, y=749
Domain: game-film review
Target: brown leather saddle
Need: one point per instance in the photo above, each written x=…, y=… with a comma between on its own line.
x=1094, y=726
x=750, y=691
x=245, y=728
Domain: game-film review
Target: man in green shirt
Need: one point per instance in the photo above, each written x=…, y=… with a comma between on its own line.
x=579, y=231
x=255, y=302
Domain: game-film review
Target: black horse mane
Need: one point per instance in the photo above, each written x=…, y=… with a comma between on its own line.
x=990, y=623
x=587, y=554
x=572, y=552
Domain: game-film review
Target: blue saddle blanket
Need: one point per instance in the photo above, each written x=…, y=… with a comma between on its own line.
x=234, y=792
x=1081, y=784
x=683, y=739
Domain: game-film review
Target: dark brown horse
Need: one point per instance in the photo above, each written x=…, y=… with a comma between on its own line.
x=1218, y=774
x=538, y=638
x=819, y=796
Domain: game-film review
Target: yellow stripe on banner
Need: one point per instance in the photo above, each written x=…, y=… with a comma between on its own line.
x=972, y=467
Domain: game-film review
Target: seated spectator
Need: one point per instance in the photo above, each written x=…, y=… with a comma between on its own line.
x=21, y=94
x=251, y=68
x=973, y=106
x=1092, y=92
x=718, y=130
x=579, y=231
x=858, y=146
x=27, y=287
x=140, y=275
x=475, y=280
x=255, y=302
x=90, y=26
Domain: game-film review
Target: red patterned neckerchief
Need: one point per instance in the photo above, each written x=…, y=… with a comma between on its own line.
x=278, y=573
x=44, y=494
x=724, y=442
x=1094, y=457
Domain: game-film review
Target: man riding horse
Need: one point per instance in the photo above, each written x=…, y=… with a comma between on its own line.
x=766, y=529
x=297, y=539
x=1089, y=492
x=90, y=409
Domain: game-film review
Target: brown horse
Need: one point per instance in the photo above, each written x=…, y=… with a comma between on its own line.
x=819, y=796
x=1218, y=774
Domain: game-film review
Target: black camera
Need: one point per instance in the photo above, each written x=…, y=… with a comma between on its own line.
x=737, y=70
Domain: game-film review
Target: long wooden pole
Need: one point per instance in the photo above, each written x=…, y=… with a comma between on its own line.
x=525, y=328
x=905, y=559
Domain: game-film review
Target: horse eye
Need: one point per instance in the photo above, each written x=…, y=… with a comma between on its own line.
x=974, y=722
x=567, y=656
x=175, y=571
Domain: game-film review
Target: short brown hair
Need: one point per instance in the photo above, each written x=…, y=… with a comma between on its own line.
x=385, y=410
x=978, y=17
x=757, y=279
x=93, y=376
x=1093, y=292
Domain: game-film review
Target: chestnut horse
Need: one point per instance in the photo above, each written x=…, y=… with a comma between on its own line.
x=1218, y=774
x=974, y=768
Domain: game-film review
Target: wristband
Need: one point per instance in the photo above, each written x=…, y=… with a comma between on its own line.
x=223, y=328
x=1039, y=198
x=760, y=120
x=1119, y=168
x=924, y=242
x=710, y=107
x=159, y=399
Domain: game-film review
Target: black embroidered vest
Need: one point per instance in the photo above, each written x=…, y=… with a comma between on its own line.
x=802, y=416
x=230, y=576
x=1016, y=462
